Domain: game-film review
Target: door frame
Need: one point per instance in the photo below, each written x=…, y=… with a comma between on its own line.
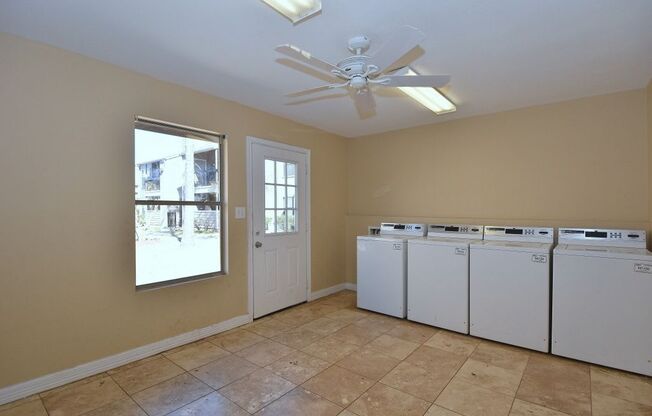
x=250, y=141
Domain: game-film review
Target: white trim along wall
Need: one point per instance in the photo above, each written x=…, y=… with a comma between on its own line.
x=50, y=381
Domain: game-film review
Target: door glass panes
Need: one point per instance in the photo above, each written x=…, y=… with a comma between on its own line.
x=269, y=196
x=280, y=221
x=291, y=174
x=280, y=172
x=270, y=221
x=280, y=197
x=290, y=200
x=269, y=171
x=292, y=225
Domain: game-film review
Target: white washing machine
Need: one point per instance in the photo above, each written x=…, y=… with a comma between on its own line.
x=438, y=276
x=382, y=268
x=509, y=286
x=602, y=298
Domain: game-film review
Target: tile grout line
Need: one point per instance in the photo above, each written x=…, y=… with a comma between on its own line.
x=333, y=364
x=280, y=376
x=519, y=383
x=128, y=395
x=455, y=374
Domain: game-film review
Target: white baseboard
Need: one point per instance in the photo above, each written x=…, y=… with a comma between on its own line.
x=50, y=381
x=351, y=286
x=330, y=290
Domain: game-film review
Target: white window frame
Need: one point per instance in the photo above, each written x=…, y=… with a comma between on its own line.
x=179, y=130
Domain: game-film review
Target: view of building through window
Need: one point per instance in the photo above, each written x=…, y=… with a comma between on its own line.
x=178, y=210
x=280, y=197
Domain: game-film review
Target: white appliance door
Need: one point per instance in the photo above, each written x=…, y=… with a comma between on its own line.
x=438, y=286
x=602, y=311
x=510, y=297
x=381, y=276
x=279, y=219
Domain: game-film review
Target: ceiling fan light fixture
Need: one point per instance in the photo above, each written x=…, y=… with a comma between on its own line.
x=430, y=98
x=295, y=10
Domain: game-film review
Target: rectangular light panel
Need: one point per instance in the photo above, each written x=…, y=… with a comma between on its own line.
x=295, y=10
x=430, y=98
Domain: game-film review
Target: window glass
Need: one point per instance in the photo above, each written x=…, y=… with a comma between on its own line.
x=290, y=197
x=269, y=197
x=280, y=196
x=177, y=205
x=280, y=172
x=292, y=173
x=269, y=171
x=292, y=221
x=270, y=221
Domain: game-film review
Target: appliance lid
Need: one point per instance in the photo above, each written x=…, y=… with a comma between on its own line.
x=467, y=231
x=519, y=234
x=627, y=253
x=603, y=237
x=393, y=238
x=451, y=242
x=524, y=246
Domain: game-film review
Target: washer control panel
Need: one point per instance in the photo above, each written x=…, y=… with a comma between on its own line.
x=603, y=237
x=414, y=230
x=525, y=234
x=456, y=231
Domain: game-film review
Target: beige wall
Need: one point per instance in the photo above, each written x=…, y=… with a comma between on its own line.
x=580, y=163
x=66, y=213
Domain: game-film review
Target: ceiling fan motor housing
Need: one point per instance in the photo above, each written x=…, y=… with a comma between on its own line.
x=358, y=82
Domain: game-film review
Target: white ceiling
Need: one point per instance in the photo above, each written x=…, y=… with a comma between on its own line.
x=501, y=54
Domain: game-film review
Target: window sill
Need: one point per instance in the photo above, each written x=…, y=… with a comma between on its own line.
x=178, y=282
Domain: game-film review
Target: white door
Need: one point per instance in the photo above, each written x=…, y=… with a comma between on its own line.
x=279, y=209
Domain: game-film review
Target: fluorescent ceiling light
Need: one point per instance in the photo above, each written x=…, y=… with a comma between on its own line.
x=295, y=10
x=430, y=98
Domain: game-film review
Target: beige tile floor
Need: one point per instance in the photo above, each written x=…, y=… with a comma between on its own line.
x=329, y=358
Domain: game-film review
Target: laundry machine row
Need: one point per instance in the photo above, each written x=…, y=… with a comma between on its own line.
x=590, y=298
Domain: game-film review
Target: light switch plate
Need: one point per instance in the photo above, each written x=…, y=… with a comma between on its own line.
x=240, y=213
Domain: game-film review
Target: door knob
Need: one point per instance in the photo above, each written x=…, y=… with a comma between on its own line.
x=258, y=244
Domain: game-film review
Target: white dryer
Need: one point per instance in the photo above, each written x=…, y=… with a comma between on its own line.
x=602, y=298
x=509, y=286
x=438, y=276
x=382, y=268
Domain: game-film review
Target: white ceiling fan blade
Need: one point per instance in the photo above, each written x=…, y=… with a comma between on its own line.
x=435, y=81
x=316, y=89
x=364, y=103
x=306, y=57
x=402, y=42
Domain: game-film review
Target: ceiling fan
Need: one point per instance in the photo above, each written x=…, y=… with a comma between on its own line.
x=360, y=72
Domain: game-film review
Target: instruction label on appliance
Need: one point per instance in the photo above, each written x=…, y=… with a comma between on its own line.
x=643, y=268
x=539, y=258
x=398, y=246
x=460, y=251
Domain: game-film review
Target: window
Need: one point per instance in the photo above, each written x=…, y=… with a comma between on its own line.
x=178, y=203
x=280, y=197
